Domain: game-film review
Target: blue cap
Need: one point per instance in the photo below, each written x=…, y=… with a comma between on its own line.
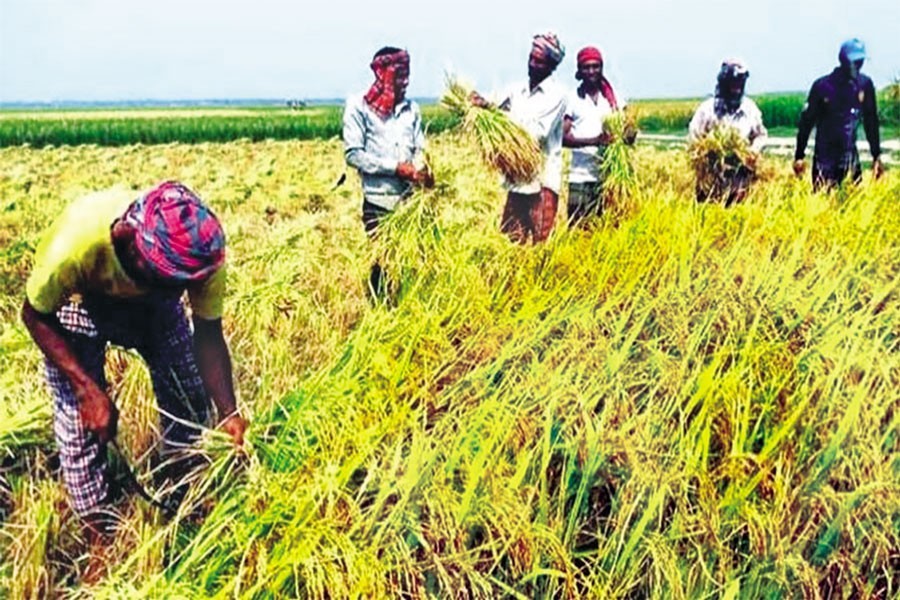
x=852, y=50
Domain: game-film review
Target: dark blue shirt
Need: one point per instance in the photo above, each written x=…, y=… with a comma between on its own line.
x=835, y=105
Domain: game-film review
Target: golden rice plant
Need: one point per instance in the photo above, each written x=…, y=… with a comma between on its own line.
x=31, y=541
x=24, y=425
x=617, y=162
x=504, y=144
x=720, y=156
x=696, y=401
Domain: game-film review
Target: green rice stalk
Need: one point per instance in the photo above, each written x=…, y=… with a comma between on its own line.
x=692, y=399
x=26, y=426
x=617, y=163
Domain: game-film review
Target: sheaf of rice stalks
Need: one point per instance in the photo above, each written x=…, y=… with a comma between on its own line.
x=617, y=162
x=719, y=155
x=504, y=144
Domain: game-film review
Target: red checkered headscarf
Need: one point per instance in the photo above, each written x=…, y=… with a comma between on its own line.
x=589, y=54
x=381, y=97
x=550, y=46
x=179, y=236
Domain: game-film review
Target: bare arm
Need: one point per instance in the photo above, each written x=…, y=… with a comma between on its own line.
x=570, y=141
x=46, y=332
x=97, y=411
x=214, y=363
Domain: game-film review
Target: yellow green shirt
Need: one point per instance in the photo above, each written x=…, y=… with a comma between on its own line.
x=76, y=255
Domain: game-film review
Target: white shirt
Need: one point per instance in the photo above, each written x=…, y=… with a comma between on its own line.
x=747, y=119
x=587, y=121
x=375, y=146
x=540, y=112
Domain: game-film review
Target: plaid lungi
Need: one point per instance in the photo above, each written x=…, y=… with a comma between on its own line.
x=158, y=329
x=829, y=173
x=527, y=215
x=584, y=200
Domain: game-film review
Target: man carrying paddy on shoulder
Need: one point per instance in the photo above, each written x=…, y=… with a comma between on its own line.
x=583, y=132
x=538, y=105
x=112, y=270
x=384, y=141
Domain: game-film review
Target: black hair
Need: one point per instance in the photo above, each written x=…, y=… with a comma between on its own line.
x=387, y=50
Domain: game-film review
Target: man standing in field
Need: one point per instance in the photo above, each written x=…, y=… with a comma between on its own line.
x=112, y=271
x=730, y=108
x=835, y=104
x=583, y=132
x=538, y=105
x=383, y=140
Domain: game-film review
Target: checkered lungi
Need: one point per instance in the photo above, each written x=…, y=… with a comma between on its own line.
x=829, y=172
x=584, y=200
x=527, y=215
x=158, y=329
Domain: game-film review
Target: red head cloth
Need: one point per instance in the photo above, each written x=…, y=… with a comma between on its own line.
x=179, y=236
x=381, y=97
x=588, y=54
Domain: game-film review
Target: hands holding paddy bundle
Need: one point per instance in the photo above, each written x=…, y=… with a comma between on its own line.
x=100, y=416
x=422, y=177
x=235, y=426
x=504, y=144
x=478, y=100
x=98, y=413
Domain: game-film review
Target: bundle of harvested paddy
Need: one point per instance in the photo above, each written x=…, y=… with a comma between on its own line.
x=722, y=160
x=617, y=163
x=504, y=144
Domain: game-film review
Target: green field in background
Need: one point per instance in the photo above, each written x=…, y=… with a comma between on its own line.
x=155, y=125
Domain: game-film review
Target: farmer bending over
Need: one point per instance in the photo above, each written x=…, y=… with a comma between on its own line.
x=112, y=271
x=729, y=107
x=383, y=140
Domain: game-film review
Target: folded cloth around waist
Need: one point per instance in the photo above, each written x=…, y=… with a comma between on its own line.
x=386, y=201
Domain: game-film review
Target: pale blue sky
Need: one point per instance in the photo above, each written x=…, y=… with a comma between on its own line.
x=54, y=50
